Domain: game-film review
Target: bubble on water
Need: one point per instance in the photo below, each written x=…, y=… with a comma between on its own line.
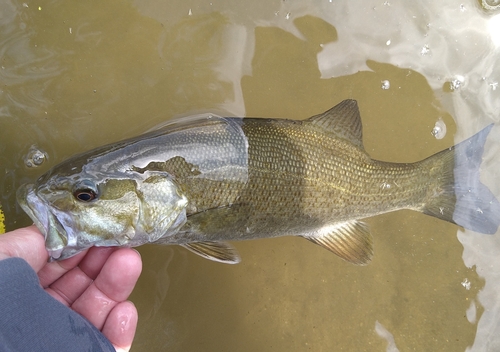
x=439, y=130
x=287, y=16
x=190, y=12
x=425, y=50
x=462, y=7
x=385, y=84
x=490, y=4
x=494, y=85
x=35, y=157
x=466, y=283
x=388, y=42
x=457, y=83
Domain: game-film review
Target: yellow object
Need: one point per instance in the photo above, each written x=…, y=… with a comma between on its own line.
x=2, y=219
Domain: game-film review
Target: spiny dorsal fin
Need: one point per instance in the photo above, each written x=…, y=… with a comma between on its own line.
x=217, y=251
x=343, y=120
x=351, y=241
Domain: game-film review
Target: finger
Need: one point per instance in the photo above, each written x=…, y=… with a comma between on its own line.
x=95, y=259
x=119, y=275
x=70, y=286
x=120, y=325
x=53, y=271
x=27, y=243
x=90, y=262
x=74, y=282
x=113, y=285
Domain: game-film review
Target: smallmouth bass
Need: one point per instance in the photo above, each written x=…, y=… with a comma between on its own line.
x=202, y=181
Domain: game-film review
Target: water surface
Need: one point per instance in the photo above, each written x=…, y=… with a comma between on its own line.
x=78, y=75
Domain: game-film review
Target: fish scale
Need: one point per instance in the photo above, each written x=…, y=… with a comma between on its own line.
x=327, y=182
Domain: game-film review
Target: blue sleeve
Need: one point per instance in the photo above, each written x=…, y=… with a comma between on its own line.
x=31, y=320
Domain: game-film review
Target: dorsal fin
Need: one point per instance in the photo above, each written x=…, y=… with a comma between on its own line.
x=343, y=120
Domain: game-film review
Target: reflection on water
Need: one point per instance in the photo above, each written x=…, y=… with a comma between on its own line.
x=77, y=75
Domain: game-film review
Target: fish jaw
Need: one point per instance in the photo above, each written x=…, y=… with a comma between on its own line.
x=29, y=202
x=58, y=238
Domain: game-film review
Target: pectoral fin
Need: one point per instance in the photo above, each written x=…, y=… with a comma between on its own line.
x=217, y=251
x=351, y=241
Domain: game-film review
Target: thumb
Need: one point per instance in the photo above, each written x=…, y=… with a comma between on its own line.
x=27, y=243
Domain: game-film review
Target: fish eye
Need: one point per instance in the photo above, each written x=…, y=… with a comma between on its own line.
x=85, y=191
x=85, y=195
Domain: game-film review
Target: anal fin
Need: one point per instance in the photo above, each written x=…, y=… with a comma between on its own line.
x=217, y=251
x=350, y=240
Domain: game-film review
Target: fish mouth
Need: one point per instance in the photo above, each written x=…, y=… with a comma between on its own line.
x=56, y=238
x=28, y=201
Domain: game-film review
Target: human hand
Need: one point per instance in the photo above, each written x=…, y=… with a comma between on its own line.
x=94, y=283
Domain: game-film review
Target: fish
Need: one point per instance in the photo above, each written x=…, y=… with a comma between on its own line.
x=204, y=181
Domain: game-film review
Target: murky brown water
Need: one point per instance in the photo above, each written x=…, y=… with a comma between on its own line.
x=78, y=75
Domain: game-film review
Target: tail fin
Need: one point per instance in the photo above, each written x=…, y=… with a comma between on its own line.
x=462, y=198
